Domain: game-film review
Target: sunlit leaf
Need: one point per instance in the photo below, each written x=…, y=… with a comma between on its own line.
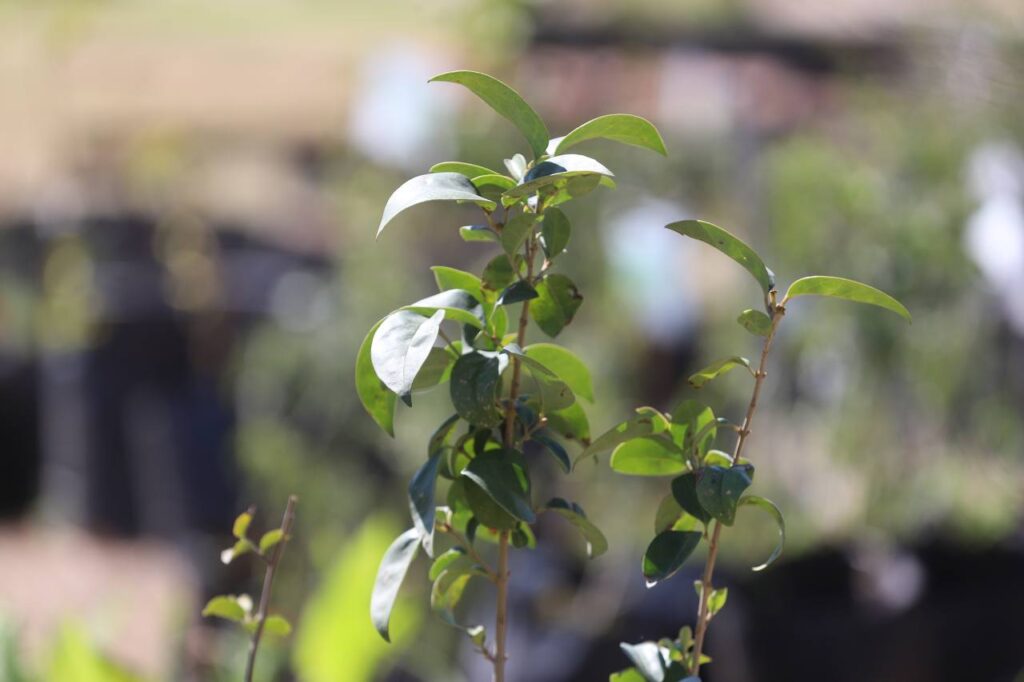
x=648, y=456
x=241, y=525
x=431, y=187
x=717, y=369
x=776, y=514
x=647, y=658
x=847, y=289
x=378, y=401
x=401, y=346
x=625, y=128
x=452, y=278
x=556, y=305
x=565, y=365
x=390, y=575
x=470, y=170
x=557, y=170
x=226, y=607
x=648, y=421
x=457, y=304
x=277, y=626
x=570, y=422
x=474, y=387
x=506, y=102
x=270, y=540
x=755, y=322
x=421, y=501
x=477, y=233
x=502, y=475
x=554, y=233
x=730, y=245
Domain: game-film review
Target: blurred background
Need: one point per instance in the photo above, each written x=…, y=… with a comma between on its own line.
x=188, y=196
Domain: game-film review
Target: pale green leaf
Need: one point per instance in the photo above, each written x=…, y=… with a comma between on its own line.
x=730, y=245
x=431, y=187
x=390, y=575
x=776, y=514
x=625, y=128
x=847, y=289
x=717, y=369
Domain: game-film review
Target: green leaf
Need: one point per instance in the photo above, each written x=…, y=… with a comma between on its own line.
x=691, y=419
x=557, y=170
x=684, y=492
x=718, y=368
x=574, y=188
x=515, y=231
x=485, y=510
x=647, y=658
x=628, y=675
x=390, y=575
x=506, y=102
x=447, y=591
x=719, y=490
x=270, y=540
x=755, y=322
x=773, y=511
x=474, y=387
x=452, y=278
x=648, y=456
x=556, y=449
x=596, y=542
x=570, y=422
x=502, y=475
x=717, y=599
x=277, y=626
x=730, y=245
x=564, y=364
x=848, y=289
x=551, y=392
x=625, y=128
x=457, y=304
x=442, y=562
x=226, y=607
x=648, y=422
x=241, y=525
x=498, y=273
x=666, y=554
x=517, y=292
x=378, y=401
x=437, y=368
x=477, y=233
x=432, y=187
x=440, y=437
x=243, y=546
x=470, y=170
x=401, y=346
x=554, y=232
x=421, y=501
x=493, y=182
x=556, y=305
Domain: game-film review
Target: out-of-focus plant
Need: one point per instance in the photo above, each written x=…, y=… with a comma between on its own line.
x=239, y=609
x=709, y=485
x=505, y=394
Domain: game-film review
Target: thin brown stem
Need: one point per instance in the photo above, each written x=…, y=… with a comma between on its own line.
x=268, y=584
x=703, y=617
x=468, y=546
x=501, y=617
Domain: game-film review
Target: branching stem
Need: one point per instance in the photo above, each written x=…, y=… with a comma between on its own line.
x=703, y=617
x=273, y=561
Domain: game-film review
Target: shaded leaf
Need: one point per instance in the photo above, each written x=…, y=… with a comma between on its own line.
x=442, y=562
x=556, y=450
x=719, y=490
x=452, y=278
x=502, y=475
x=730, y=246
x=401, y=346
x=421, y=501
x=570, y=422
x=755, y=322
x=564, y=364
x=551, y=392
x=477, y=233
x=390, y=575
x=667, y=553
x=554, y=232
x=378, y=401
x=684, y=491
x=596, y=542
x=847, y=289
x=628, y=675
x=506, y=102
x=773, y=511
x=474, y=387
x=498, y=273
x=717, y=369
x=557, y=302
x=517, y=292
x=648, y=456
x=437, y=368
x=431, y=187
x=625, y=128
x=515, y=231
x=557, y=170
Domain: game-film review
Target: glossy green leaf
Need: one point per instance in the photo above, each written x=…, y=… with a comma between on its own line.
x=648, y=456
x=628, y=675
x=226, y=607
x=647, y=659
x=693, y=426
x=596, y=542
x=717, y=599
x=666, y=554
x=443, y=561
x=570, y=422
x=517, y=292
x=625, y=128
x=431, y=187
x=773, y=511
x=557, y=302
x=498, y=273
x=241, y=525
x=485, y=511
x=447, y=591
x=506, y=102
x=684, y=491
x=502, y=475
x=648, y=422
x=554, y=233
x=457, y=304
x=556, y=450
x=474, y=387
x=270, y=540
x=755, y=322
x=557, y=170
x=390, y=575
x=550, y=391
x=719, y=490
x=421, y=501
x=515, y=231
x=730, y=245
x=493, y=182
x=452, y=278
x=847, y=289
x=470, y=170
x=564, y=364
x=378, y=401
x=277, y=626
x=401, y=346
x=477, y=233
x=717, y=369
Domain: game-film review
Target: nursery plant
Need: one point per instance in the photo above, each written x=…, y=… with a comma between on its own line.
x=709, y=486
x=239, y=608
x=512, y=400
